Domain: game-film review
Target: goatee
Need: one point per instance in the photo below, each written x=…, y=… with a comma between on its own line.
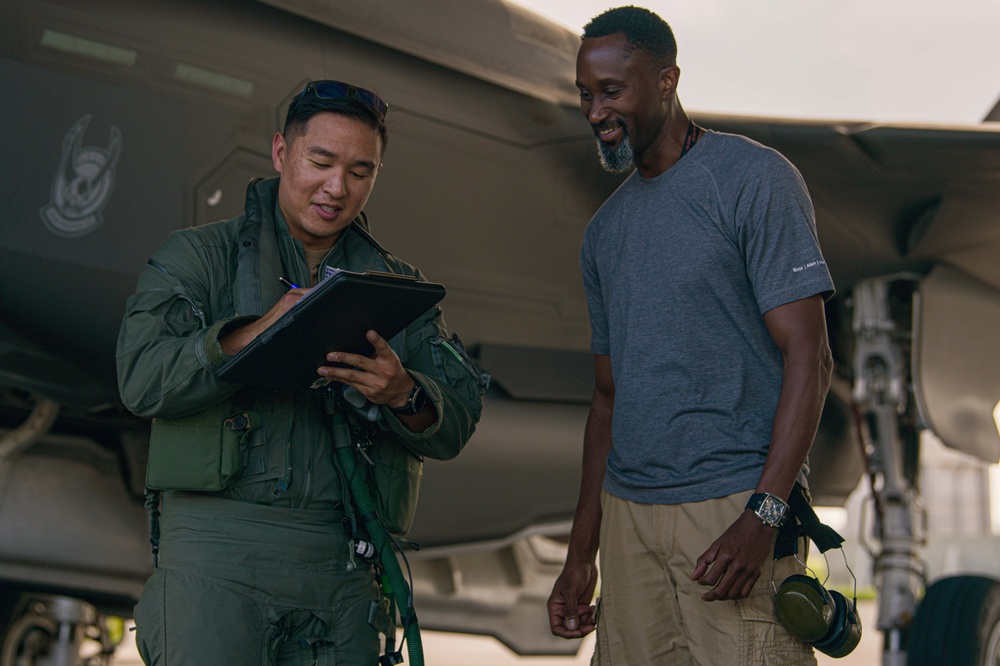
x=620, y=159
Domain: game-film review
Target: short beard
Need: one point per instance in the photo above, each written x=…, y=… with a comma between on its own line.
x=617, y=160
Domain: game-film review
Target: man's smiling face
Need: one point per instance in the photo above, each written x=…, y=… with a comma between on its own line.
x=621, y=97
x=328, y=169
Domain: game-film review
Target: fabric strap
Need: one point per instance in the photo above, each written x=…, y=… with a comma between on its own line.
x=803, y=522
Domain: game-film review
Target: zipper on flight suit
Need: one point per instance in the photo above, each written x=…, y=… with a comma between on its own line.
x=196, y=308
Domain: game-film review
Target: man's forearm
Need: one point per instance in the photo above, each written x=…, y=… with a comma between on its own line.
x=796, y=420
x=587, y=520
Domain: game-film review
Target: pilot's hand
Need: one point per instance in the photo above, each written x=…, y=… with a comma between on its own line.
x=571, y=614
x=733, y=563
x=239, y=338
x=381, y=378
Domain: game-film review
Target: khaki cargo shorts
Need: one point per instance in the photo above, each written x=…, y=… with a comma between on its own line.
x=651, y=612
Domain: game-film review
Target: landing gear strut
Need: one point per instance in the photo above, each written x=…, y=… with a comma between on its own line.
x=881, y=392
x=56, y=631
x=958, y=620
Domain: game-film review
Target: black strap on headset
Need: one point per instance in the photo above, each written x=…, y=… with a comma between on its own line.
x=803, y=522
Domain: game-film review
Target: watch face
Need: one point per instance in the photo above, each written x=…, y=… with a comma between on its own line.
x=771, y=511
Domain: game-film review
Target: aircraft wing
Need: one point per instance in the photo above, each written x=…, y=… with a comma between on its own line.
x=495, y=41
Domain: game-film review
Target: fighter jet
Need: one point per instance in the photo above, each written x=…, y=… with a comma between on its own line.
x=126, y=121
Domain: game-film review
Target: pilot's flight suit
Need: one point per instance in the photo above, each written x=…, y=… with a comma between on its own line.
x=262, y=571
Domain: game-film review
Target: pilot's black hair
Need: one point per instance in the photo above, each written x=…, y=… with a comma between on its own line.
x=644, y=31
x=304, y=107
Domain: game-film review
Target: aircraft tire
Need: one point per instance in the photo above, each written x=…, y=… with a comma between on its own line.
x=957, y=623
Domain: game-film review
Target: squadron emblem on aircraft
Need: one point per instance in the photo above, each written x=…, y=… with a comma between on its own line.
x=83, y=184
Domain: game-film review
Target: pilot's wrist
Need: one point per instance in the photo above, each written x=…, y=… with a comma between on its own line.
x=412, y=402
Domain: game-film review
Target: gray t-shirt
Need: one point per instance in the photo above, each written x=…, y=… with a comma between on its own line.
x=679, y=270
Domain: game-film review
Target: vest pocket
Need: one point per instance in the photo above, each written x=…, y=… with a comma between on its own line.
x=253, y=455
x=262, y=460
x=196, y=453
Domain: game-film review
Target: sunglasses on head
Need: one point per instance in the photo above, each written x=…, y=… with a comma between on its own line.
x=338, y=89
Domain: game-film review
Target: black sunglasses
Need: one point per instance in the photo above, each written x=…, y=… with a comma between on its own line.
x=338, y=89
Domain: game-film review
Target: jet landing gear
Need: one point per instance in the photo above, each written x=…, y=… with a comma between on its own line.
x=958, y=620
x=56, y=631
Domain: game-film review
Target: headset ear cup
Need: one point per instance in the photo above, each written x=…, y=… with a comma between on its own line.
x=845, y=629
x=804, y=608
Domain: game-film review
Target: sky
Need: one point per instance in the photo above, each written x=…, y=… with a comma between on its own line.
x=924, y=61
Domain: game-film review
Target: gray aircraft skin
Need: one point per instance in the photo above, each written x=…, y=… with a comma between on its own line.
x=125, y=121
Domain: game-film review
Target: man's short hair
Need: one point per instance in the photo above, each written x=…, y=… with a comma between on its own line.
x=644, y=31
x=307, y=104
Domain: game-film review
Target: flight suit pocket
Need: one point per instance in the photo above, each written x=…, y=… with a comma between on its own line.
x=196, y=453
x=266, y=468
x=456, y=369
x=255, y=463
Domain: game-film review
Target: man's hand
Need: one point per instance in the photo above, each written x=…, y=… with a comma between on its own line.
x=571, y=614
x=733, y=563
x=242, y=336
x=381, y=378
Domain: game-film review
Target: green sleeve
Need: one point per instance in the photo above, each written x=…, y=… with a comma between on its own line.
x=168, y=345
x=453, y=384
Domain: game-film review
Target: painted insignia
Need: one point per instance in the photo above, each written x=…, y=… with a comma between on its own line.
x=84, y=183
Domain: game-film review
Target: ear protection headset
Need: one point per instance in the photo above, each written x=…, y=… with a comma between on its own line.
x=824, y=618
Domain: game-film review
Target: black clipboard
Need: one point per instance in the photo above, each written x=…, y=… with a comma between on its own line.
x=333, y=316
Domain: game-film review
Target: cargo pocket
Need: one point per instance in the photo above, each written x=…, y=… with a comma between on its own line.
x=197, y=452
x=456, y=368
x=266, y=469
x=254, y=459
x=763, y=640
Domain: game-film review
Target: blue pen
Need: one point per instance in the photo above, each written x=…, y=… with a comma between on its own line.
x=288, y=284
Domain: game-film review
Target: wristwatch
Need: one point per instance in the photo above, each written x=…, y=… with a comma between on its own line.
x=771, y=509
x=415, y=401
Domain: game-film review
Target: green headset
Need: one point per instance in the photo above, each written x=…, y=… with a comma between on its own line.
x=826, y=619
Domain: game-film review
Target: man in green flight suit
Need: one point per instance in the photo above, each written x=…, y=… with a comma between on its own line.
x=265, y=570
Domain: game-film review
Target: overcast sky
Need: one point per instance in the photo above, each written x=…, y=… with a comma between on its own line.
x=890, y=60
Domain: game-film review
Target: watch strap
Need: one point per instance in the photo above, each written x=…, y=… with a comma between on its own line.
x=415, y=400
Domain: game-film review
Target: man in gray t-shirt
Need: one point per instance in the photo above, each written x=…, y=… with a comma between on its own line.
x=679, y=269
x=705, y=284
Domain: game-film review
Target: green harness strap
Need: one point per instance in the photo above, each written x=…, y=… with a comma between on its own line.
x=398, y=589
